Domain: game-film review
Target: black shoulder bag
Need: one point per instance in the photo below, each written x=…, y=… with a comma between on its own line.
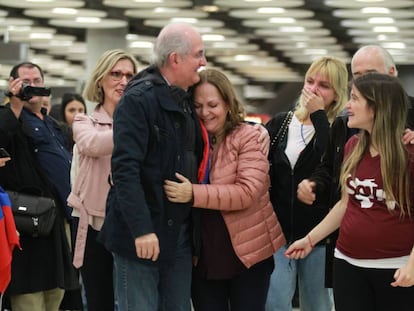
x=33, y=215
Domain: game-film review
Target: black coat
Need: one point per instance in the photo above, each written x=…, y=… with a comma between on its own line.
x=295, y=217
x=151, y=135
x=43, y=263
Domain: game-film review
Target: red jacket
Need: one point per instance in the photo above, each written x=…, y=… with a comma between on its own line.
x=8, y=240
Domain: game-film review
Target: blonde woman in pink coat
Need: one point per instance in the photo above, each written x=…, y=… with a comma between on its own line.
x=239, y=229
x=94, y=141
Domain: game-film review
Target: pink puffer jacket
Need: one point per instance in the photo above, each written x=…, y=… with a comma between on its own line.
x=239, y=184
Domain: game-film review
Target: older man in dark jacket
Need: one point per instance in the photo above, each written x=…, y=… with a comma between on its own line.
x=156, y=134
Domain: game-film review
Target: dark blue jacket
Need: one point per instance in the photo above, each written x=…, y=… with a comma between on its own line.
x=153, y=139
x=45, y=262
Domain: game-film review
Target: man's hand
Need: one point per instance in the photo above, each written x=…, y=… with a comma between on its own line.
x=408, y=137
x=16, y=104
x=264, y=138
x=179, y=192
x=147, y=246
x=3, y=161
x=306, y=191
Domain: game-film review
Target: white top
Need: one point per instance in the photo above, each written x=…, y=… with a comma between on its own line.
x=298, y=137
x=382, y=263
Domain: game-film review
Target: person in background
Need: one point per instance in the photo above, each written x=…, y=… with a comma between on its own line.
x=239, y=229
x=94, y=142
x=9, y=238
x=374, y=255
x=70, y=106
x=374, y=58
x=42, y=270
x=293, y=157
x=156, y=134
x=324, y=181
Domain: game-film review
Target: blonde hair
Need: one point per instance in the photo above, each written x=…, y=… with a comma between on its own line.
x=386, y=97
x=93, y=91
x=336, y=72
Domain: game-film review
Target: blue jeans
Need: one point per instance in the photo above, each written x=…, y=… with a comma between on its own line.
x=310, y=272
x=151, y=288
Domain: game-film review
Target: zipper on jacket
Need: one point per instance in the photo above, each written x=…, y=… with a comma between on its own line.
x=292, y=200
x=157, y=132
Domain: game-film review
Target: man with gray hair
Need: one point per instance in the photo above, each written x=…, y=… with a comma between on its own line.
x=156, y=134
x=372, y=58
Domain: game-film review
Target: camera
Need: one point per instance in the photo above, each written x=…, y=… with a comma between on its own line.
x=28, y=91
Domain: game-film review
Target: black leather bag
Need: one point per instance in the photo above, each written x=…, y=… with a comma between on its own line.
x=33, y=215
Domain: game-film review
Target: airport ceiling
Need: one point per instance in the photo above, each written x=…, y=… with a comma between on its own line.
x=256, y=42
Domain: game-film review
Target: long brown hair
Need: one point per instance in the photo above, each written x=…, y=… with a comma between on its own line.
x=386, y=97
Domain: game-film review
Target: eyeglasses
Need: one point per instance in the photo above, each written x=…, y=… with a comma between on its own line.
x=118, y=75
x=199, y=55
x=35, y=82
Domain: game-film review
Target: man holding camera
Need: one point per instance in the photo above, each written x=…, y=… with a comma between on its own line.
x=39, y=165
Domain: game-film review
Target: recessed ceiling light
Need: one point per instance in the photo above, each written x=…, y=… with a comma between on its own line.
x=393, y=45
x=282, y=20
x=209, y=8
x=92, y=20
x=375, y=10
x=141, y=44
x=291, y=29
x=243, y=58
x=64, y=11
x=381, y=20
x=369, y=1
x=271, y=10
x=36, y=4
x=40, y=35
x=385, y=29
x=225, y=45
x=208, y=37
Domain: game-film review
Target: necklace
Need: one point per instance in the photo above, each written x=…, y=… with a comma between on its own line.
x=216, y=138
x=301, y=134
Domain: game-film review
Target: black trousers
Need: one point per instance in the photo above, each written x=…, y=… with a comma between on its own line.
x=97, y=275
x=367, y=289
x=244, y=292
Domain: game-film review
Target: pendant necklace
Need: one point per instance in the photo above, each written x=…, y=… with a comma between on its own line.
x=301, y=134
